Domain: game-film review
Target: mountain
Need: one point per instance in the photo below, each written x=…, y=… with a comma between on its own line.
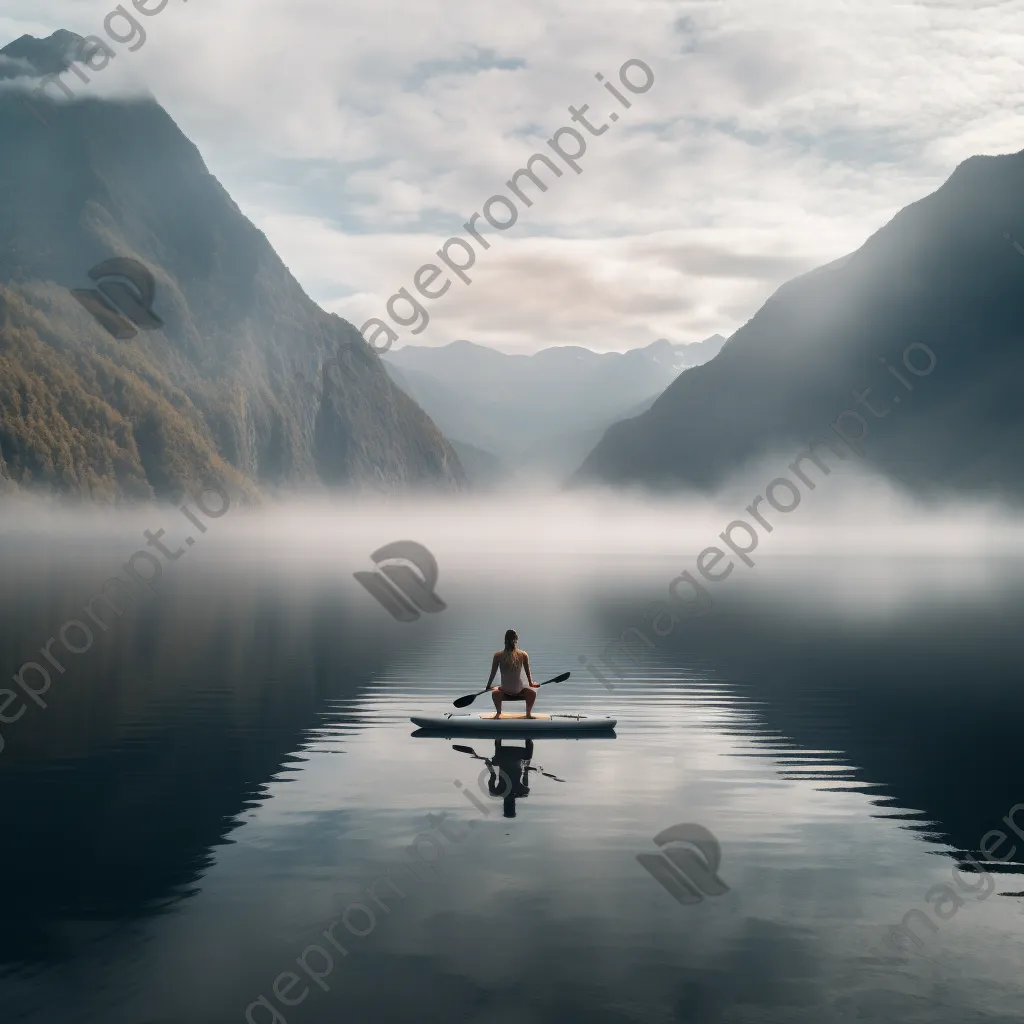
x=700, y=352
x=212, y=384
x=482, y=468
x=945, y=275
x=544, y=411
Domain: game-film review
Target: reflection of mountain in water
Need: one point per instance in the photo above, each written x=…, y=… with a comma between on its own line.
x=923, y=707
x=117, y=793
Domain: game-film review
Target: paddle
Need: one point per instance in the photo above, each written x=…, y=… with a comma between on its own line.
x=464, y=702
x=473, y=753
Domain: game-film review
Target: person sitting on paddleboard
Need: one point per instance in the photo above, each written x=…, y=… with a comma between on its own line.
x=512, y=661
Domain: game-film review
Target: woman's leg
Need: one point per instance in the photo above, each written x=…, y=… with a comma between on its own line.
x=531, y=696
x=496, y=697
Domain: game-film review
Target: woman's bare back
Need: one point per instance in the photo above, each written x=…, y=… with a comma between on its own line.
x=511, y=671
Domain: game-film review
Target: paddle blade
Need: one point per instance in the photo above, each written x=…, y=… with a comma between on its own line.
x=464, y=702
x=558, y=679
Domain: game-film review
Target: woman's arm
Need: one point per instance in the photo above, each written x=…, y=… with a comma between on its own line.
x=494, y=669
x=526, y=665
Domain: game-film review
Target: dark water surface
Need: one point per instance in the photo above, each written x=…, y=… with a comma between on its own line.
x=221, y=778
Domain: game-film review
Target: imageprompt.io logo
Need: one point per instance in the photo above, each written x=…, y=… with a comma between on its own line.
x=402, y=592
x=687, y=876
x=122, y=299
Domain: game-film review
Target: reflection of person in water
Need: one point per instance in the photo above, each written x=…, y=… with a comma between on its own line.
x=508, y=773
x=512, y=777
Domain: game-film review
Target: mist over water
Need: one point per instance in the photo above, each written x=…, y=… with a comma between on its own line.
x=230, y=764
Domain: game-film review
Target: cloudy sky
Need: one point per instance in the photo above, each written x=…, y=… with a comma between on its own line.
x=778, y=134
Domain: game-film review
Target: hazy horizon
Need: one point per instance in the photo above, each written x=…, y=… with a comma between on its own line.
x=544, y=347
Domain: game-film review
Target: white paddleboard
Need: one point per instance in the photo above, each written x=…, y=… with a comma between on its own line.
x=512, y=722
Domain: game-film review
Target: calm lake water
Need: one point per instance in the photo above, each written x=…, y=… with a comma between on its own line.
x=220, y=779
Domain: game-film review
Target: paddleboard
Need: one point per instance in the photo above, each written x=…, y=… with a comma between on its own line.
x=512, y=722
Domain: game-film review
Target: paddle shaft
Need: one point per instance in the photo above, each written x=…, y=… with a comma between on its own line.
x=530, y=768
x=554, y=679
x=462, y=702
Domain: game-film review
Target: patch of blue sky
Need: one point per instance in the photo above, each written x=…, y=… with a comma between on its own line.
x=317, y=189
x=853, y=146
x=473, y=61
x=532, y=131
x=731, y=128
x=320, y=189
x=298, y=188
x=858, y=147
x=667, y=129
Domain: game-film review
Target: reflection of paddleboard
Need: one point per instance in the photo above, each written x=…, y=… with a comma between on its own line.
x=512, y=722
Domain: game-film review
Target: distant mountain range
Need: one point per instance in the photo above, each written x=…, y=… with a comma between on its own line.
x=542, y=412
x=211, y=385
x=944, y=275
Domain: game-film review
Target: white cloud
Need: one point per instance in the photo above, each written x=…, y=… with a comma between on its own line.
x=776, y=136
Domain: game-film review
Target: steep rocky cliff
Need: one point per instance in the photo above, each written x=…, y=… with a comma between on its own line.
x=213, y=384
x=945, y=275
